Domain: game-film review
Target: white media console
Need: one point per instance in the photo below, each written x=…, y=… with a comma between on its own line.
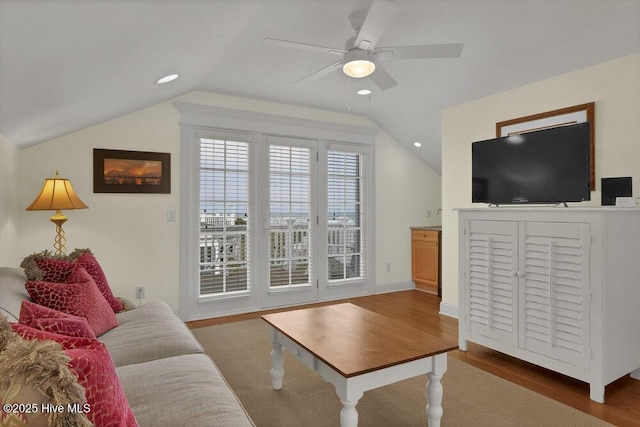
x=557, y=287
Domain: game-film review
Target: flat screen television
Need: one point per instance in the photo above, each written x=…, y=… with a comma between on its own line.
x=546, y=166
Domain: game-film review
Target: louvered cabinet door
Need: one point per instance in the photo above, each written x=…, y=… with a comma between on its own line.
x=554, y=290
x=490, y=279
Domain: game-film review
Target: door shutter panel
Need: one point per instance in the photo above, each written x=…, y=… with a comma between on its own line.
x=554, y=308
x=491, y=279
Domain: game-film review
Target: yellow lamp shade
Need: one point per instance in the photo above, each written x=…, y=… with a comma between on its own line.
x=56, y=194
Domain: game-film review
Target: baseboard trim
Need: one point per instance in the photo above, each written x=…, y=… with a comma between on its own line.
x=449, y=309
x=393, y=287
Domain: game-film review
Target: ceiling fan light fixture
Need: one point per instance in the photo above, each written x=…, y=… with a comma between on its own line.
x=358, y=63
x=364, y=92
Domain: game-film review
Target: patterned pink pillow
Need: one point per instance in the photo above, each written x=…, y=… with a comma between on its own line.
x=90, y=263
x=57, y=322
x=67, y=342
x=96, y=372
x=71, y=327
x=80, y=299
x=55, y=270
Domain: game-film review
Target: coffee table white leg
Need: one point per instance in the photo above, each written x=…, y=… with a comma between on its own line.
x=277, y=361
x=349, y=413
x=434, y=389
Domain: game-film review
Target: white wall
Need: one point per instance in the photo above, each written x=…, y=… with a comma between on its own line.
x=406, y=192
x=129, y=233
x=8, y=203
x=615, y=88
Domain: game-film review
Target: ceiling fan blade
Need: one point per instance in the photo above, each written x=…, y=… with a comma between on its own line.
x=449, y=50
x=303, y=46
x=322, y=72
x=380, y=14
x=382, y=79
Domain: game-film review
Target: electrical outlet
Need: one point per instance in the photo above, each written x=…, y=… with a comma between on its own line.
x=139, y=292
x=387, y=267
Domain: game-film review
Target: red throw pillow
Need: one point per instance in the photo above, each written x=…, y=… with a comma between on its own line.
x=90, y=263
x=80, y=299
x=67, y=342
x=57, y=322
x=55, y=270
x=91, y=362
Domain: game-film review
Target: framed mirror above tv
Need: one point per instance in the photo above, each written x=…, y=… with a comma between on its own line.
x=552, y=119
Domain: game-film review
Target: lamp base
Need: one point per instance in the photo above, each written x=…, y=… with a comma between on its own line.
x=58, y=219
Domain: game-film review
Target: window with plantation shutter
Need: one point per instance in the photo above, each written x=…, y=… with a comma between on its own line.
x=290, y=213
x=224, y=219
x=345, y=215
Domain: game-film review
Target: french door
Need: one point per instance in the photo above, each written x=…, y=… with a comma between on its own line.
x=224, y=217
x=289, y=235
x=274, y=221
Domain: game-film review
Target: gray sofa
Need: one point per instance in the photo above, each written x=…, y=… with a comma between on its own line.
x=167, y=378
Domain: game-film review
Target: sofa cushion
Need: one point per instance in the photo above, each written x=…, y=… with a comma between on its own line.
x=189, y=391
x=92, y=364
x=12, y=292
x=50, y=320
x=80, y=299
x=150, y=332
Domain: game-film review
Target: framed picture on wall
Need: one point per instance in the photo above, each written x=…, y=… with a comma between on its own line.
x=123, y=171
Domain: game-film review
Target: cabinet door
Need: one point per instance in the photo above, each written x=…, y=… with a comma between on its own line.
x=554, y=290
x=425, y=260
x=490, y=279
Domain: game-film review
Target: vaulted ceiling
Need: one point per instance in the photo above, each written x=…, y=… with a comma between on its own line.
x=68, y=64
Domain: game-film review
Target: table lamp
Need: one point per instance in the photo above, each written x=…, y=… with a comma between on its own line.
x=57, y=194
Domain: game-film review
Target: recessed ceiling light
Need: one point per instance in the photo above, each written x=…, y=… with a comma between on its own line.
x=364, y=92
x=167, y=78
x=417, y=144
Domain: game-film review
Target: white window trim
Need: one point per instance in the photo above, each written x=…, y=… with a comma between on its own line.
x=199, y=121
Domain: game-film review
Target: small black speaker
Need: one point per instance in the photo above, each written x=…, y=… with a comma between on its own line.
x=615, y=187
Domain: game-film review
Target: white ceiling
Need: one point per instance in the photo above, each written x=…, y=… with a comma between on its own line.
x=68, y=64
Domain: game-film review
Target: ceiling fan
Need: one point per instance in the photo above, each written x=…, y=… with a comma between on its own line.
x=360, y=57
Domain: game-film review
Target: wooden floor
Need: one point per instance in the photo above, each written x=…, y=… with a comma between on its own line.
x=420, y=309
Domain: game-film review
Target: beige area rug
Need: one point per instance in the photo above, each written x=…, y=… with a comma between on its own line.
x=472, y=397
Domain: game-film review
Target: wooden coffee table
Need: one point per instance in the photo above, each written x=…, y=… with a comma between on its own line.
x=358, y=350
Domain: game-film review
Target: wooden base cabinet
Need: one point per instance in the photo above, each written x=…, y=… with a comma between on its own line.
x=425, y=259
x=557, y=287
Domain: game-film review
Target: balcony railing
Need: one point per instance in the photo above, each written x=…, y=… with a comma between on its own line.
x=223, y=254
